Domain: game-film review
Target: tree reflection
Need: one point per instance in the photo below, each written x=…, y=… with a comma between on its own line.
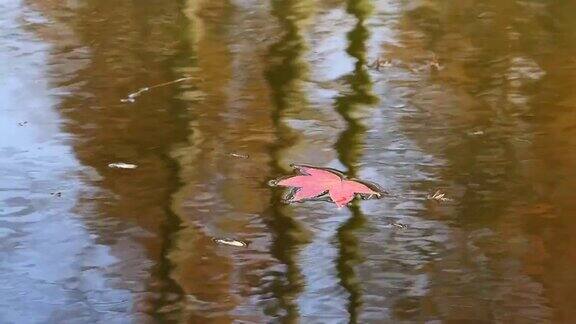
x=95, y=64
x=284, y=76
x=483, y=109
x=349, y=147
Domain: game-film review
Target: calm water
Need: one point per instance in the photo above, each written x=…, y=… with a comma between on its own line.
x=473, y=98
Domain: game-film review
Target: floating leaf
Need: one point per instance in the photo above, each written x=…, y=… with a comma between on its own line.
x=313, y=183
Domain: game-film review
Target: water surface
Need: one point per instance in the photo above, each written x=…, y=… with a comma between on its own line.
x=476, y=99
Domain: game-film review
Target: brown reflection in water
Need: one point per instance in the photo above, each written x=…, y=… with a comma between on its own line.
x=223, y=196
x=103, y=50
x=200, y=270
x=551, y=174
x=497, y=111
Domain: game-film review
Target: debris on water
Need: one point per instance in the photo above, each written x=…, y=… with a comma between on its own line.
x=438, y=196
x=273, y=182
x=522, y=140
x=121, y=165
x=381, y=63
x=240, y=155
x=485, y=15
x=231, y=242
x=434, y=64
x=476, y=133
x=57, y=194
x=132, y=96
x=399, y=225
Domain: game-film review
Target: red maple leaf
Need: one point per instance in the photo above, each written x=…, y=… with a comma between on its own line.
x=311, y=182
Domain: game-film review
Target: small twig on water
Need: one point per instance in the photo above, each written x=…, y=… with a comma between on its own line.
x=132, y=97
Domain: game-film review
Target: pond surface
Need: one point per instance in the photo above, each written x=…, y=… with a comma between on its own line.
x=473, y=99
